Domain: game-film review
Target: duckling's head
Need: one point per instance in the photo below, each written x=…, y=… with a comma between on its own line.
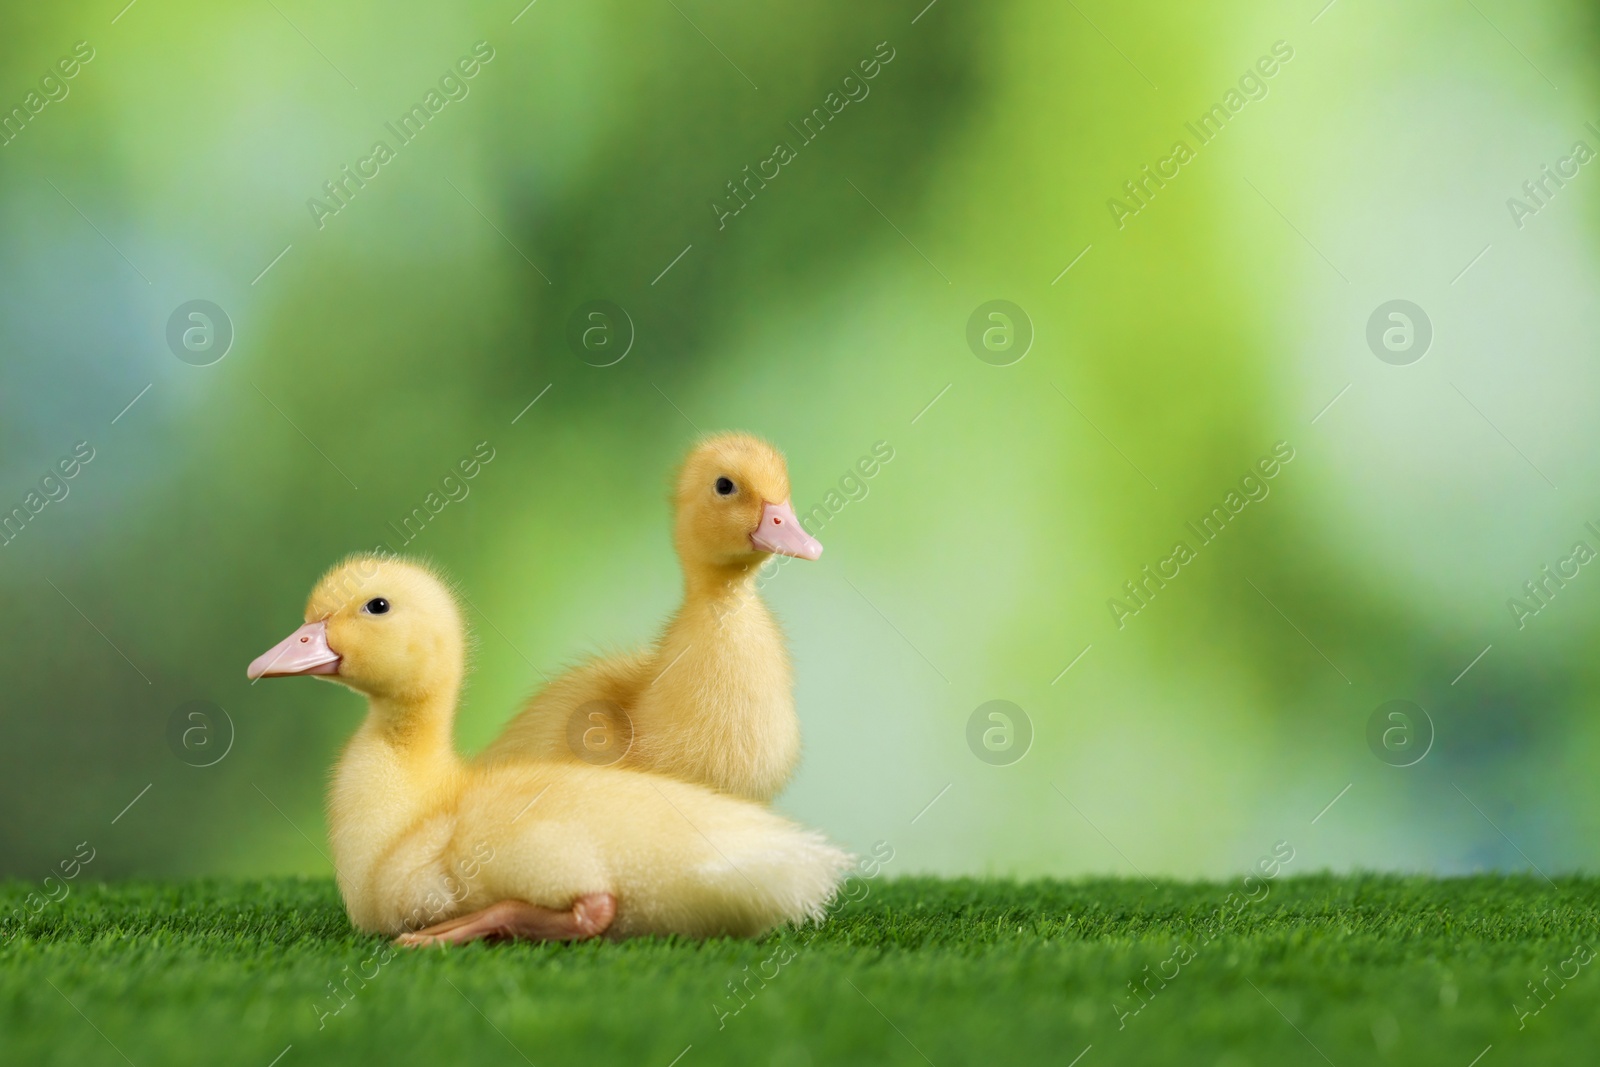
x=384, y=627
x=732, y=503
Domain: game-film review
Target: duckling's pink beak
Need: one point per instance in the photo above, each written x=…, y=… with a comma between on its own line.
x=781, y=532
x=305, y=651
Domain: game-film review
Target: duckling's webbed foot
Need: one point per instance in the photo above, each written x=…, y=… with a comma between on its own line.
x=517, y=920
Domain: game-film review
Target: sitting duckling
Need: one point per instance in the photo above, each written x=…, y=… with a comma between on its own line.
x=713, y=701
x=445, y=852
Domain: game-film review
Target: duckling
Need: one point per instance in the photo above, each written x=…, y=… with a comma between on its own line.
x=712, y=701
x=428, y=846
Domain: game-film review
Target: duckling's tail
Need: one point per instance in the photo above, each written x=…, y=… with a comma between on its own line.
x=748, y=869
x=781, y=874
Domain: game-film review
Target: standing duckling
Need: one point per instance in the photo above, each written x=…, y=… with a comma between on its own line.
x=713, y=701
x=442, y=851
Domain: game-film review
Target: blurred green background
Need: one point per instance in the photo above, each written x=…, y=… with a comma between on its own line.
x=424, y=317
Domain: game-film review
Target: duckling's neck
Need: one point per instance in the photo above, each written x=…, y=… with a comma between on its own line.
x=421, y=732
x=721, y=683
x=397, y=768
x=706, y=583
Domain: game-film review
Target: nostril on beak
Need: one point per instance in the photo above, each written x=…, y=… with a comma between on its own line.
x=776, y=521
x=303, y=640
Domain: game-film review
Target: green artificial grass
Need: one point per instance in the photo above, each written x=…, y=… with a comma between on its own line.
x=1321, y=969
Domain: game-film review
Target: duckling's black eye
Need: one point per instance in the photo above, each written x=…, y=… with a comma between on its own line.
x=724, y=486
x=376, y=606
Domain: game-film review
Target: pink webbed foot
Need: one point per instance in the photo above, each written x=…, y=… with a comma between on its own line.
x=517, y=920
